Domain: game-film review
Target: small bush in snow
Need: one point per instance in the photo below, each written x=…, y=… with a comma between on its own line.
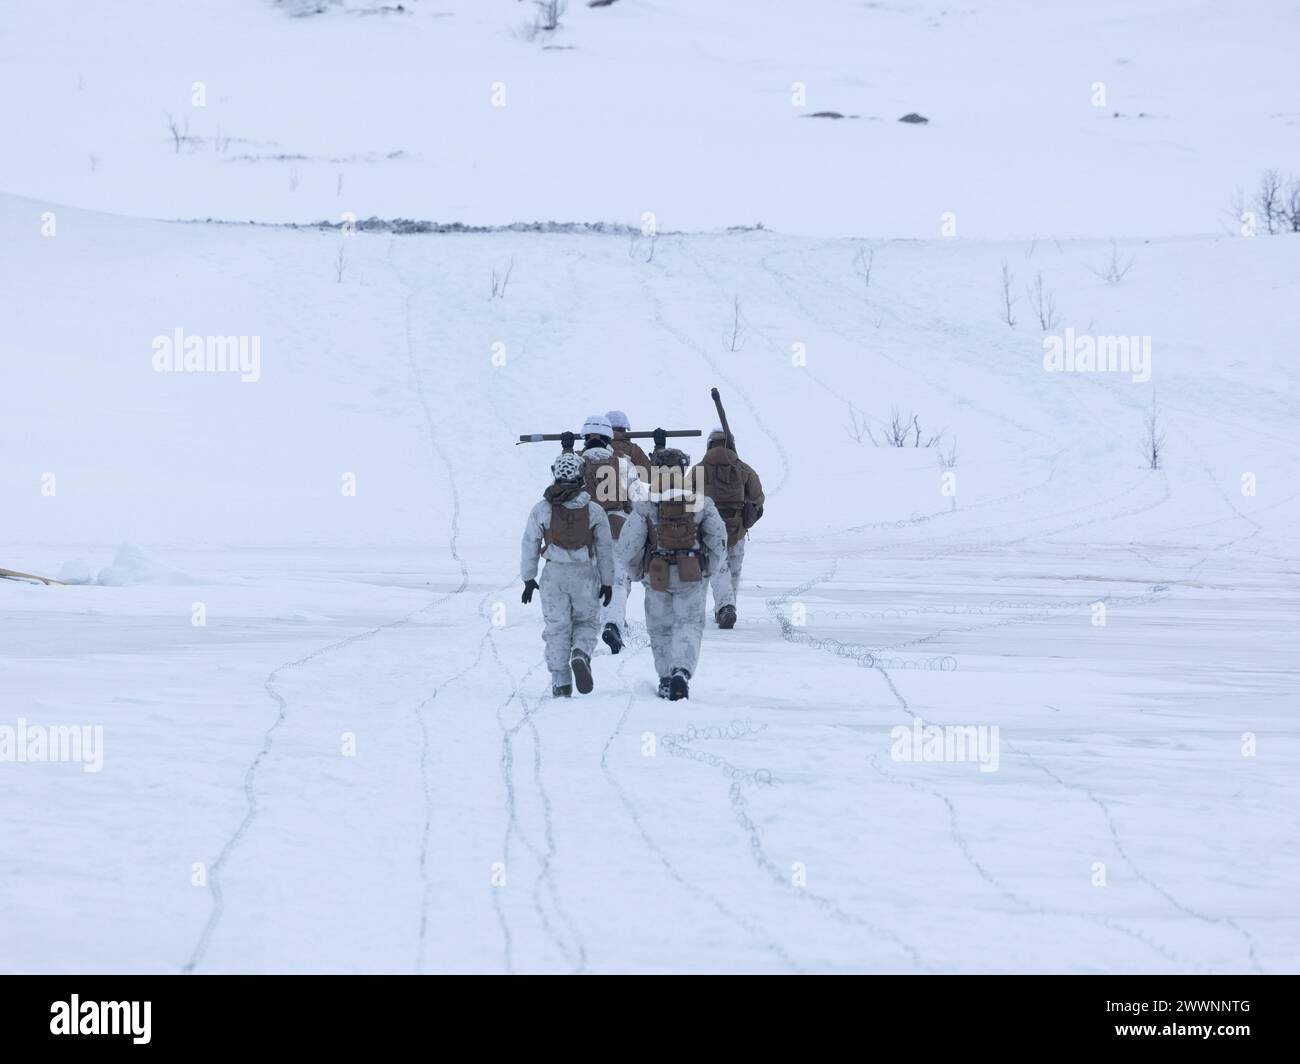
x=862, y=263
x=546, y=18
x=500, y=280
x=1044, y=304
x=1153, y=436
x=1007, y=302
x=899, y=432
x=736, y=340
x=1114, y=270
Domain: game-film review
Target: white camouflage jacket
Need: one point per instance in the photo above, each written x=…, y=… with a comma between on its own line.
x=531, y=548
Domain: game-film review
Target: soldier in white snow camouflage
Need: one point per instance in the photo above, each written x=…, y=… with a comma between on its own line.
x=671, y=542
x=614, y=482
x=572, y=533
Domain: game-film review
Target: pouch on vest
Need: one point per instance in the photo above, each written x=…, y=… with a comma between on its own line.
x=657, y=572
x=688, y=568
x=675, y=527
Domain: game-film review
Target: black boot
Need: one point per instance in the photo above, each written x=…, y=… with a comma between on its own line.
x=677, y=686
x=664, y=683
x=612, y=638
x=581, y=665
x=562, y=690
x=726, y=617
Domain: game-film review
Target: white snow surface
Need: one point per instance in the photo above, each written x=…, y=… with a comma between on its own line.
x=353, y=764
x=690, y=110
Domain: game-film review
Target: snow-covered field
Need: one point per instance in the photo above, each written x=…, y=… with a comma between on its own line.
x=353, y=763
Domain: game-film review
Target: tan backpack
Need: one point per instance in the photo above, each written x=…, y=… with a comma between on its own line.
x=672, y=539
x=569, y=527
x=724, y=483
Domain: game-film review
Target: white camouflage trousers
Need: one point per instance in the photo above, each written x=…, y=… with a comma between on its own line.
x=570, y=610
x=675, y=620
x=726, y=582
x=616, y=611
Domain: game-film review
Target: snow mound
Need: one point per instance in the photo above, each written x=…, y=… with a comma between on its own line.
x=76, y=571
x=132, y=566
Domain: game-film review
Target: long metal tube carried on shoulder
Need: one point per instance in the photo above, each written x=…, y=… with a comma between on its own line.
x=722, y=416
x=540, y=437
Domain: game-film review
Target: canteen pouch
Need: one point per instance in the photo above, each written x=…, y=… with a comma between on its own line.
x=688, y=568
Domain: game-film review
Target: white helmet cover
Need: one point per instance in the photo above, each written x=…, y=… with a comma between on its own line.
x=568, y=466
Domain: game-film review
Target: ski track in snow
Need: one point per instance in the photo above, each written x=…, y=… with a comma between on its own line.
x=282, y=706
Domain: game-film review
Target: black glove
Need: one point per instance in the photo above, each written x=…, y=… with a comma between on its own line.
x=661, y=439
x=529, y=587
x=567, y=440
x=606, y=593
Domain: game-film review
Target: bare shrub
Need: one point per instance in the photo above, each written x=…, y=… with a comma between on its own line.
x=1268, y=203
x=1007, y=302
x=179, y=135
x=1114, y=270
x=548, y=14
x=1153, y=436
x=737, y=339
x=1291, y=206
x=906, y=432
x=862, y=264
x=948, y=458
x=859, y=427
x=500, y=280
x=1044, y=304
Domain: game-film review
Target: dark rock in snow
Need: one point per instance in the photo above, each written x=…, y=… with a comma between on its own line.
x=912, y=118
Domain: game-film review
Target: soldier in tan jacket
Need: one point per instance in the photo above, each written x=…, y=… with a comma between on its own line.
x=737, y=492
x=622, y=425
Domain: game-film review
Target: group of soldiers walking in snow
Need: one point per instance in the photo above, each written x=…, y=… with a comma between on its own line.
x=613, y=516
